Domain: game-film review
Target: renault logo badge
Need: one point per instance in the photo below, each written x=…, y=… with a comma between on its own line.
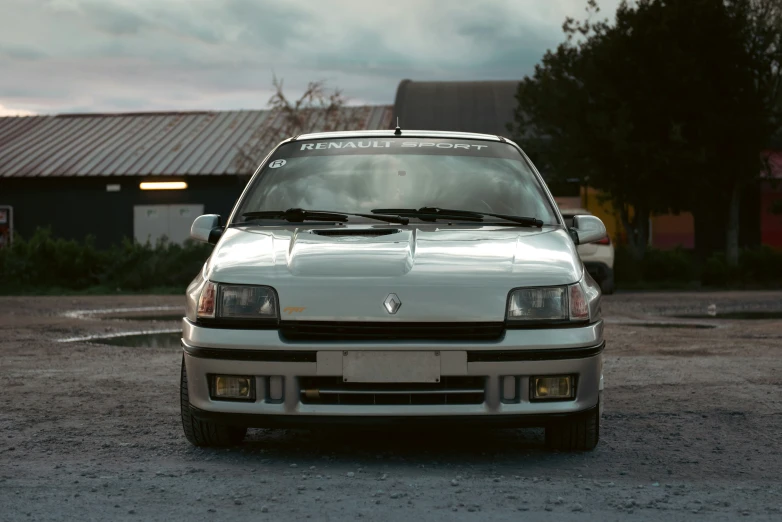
x=392, y=303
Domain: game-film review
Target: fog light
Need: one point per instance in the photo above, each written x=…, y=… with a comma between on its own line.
x=509, y=388
x=275, y=388
x=233, y=387
x=553, y=387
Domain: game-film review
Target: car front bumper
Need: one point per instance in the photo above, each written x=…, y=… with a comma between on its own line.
x=521, y=353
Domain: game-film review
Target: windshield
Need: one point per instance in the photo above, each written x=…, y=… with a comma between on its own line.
x=359, y=175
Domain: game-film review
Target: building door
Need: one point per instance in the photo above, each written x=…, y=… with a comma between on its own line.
x=152, y=222
x=180, y=219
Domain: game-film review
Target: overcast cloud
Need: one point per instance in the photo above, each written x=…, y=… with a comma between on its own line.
x=132, y=55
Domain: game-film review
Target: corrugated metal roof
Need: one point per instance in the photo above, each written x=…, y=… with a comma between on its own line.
x=484, y=107
x=142, y=144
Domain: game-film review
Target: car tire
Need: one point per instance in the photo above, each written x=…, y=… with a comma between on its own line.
x=579, y=434
x=607, y=284
x=201, y=433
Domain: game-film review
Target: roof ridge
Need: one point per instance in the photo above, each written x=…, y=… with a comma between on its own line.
x=140, y=113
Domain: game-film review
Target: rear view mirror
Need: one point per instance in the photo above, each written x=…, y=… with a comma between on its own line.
x=589, y=229
x=207, y=228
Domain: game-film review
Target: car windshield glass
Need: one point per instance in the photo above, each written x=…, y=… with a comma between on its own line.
x=359, y=175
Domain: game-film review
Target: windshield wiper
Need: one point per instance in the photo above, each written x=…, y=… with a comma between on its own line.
x=297, y=215
x=433, y=213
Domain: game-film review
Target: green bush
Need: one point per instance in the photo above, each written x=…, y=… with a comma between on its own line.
x=678, y=268
x=673, y=268
x=758, y=267
x=626, y=269
x=716, y=271
x=761, y=265
x=42, y=263
x=675, y=265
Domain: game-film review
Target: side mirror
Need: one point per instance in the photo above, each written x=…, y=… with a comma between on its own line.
x=207, y=228
x=588, y=229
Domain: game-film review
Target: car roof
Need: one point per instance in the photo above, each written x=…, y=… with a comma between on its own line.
x=405, y=134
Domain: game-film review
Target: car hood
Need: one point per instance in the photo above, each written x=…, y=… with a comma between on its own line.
x=439, y=274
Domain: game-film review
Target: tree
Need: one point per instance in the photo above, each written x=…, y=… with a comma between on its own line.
x=665, y=110
x=760, y=29
x=316, y=110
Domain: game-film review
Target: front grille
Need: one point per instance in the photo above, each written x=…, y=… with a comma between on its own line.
x=344, y=331
x=450, y=390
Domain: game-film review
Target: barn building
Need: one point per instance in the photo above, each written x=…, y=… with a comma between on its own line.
x=100, y=174
x=82, y=174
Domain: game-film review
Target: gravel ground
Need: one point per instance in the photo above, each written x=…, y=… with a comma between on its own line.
x=692, y=430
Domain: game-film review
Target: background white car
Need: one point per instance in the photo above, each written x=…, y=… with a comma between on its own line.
x=598, y=257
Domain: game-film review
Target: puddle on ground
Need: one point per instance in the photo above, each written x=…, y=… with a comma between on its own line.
x=746, y=315
x=128, y=311
x=145, y=340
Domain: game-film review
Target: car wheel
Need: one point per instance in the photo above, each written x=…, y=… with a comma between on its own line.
x=201, y=433
x=607, y=284
x=579, y=434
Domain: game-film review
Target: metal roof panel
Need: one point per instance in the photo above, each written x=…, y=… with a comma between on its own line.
x=198, y=148
x=134, y=159
x=29, y=159
x=15, y=148
x=89, y=143
x=244, y=133
x=64, y=148
x=223, y=142
x=191, y=141
x=153, y=143
x=125, y=138
x=160, y=143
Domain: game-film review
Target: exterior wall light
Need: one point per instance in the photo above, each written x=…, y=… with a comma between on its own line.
x=162, y=185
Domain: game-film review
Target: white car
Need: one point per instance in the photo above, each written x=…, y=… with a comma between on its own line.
x=394, y=277
x=598, y=257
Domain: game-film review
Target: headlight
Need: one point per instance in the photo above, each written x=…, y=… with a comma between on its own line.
x=548, y=304
x=238, y=302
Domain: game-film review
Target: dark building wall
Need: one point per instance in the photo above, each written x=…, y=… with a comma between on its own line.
x=77, y=207
x=484, y=107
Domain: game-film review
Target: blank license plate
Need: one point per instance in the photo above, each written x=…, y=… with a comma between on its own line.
x=360, y=366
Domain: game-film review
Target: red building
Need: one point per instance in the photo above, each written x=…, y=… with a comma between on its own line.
x=771, y=203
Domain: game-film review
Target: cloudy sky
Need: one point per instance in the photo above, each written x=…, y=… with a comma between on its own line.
x=132, y=55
